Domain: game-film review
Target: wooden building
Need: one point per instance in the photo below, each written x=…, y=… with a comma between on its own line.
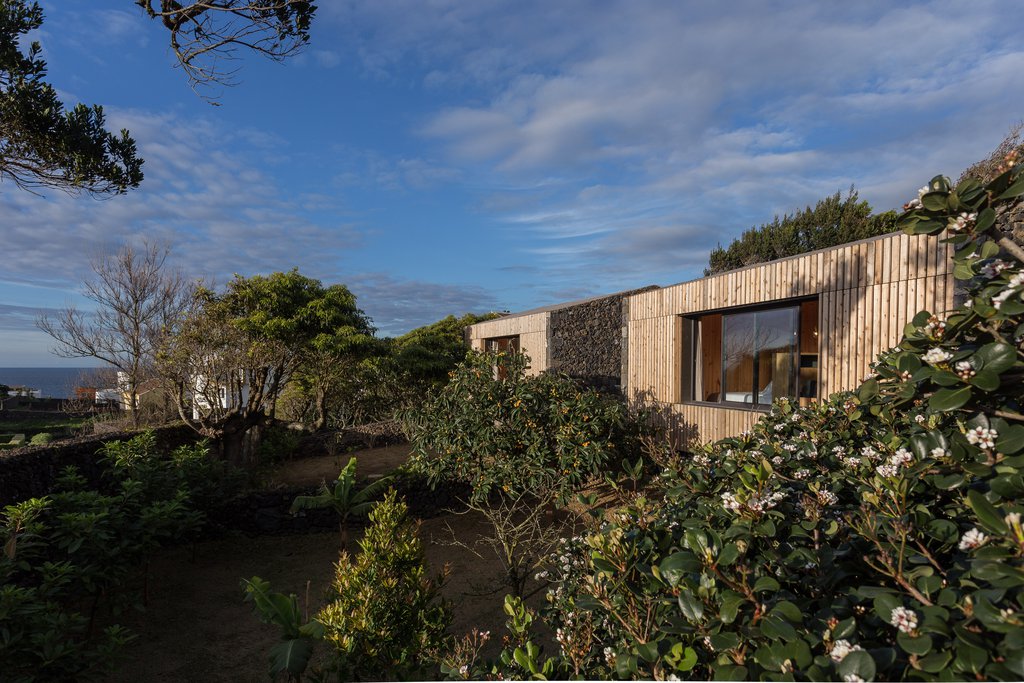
x=582, y=339
x=711, y=354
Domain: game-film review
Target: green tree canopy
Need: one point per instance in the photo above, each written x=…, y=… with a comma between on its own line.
x=41, y=144
x=832, y=221
x=234, y=351
x=430, y=352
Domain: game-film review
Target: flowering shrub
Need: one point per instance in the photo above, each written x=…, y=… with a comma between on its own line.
x=496, y=428
x=874, y=535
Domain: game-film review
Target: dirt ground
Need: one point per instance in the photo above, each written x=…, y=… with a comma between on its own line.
x=198, y=628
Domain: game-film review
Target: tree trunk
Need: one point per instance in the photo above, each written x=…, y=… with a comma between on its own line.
x=321, y=410
x=232, y=446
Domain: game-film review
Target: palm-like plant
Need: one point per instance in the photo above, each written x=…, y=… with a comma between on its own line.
x=343, y=497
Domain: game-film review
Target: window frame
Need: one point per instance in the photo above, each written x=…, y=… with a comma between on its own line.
x=689, y=356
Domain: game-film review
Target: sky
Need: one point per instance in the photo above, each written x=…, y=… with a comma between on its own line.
x=442, y=157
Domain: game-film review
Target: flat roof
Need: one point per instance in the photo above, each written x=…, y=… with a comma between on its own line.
x=568, y=304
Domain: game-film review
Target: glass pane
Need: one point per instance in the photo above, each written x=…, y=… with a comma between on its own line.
x=707, y=369
x=777, y=348
x=739, y=332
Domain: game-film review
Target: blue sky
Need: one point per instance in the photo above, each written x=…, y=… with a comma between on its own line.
x=442, y=157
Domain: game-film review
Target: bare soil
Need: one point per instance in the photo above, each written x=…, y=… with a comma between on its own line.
x=198, y=628
x=310, y=471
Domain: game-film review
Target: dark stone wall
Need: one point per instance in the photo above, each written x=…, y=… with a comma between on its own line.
x=586, y=341
x=31, y=471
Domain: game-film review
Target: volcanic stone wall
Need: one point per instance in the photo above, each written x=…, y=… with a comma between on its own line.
x=585, y=340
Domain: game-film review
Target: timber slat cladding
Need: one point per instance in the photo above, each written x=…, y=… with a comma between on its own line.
x=867, y=291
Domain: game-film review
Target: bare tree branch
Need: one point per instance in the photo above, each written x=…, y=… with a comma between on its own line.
x=205, y=35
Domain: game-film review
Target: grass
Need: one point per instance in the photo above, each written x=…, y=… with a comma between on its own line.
x=55, y=424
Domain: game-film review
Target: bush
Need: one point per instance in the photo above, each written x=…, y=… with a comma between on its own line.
x=518, y=434
x=77, y=555
x=277, y=443
x=41, y=439
x=874, y=535
x=384, y=614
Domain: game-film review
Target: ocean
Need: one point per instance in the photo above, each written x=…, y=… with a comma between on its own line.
x=52, y=382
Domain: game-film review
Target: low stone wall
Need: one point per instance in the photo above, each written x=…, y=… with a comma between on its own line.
x=586, y=341
x=30, y=472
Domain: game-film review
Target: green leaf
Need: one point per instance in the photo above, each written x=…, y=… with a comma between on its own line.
x=729, y=673
x=1014, y=190
x=766, y=583
x=775, y=628
x=291, y=656
x=693, y=608
x=986, y=380
x=728, y=555
x=858, y=663
x=945, y=400
x=789, y=611
x=648, y=651
x=730, y=606
x=986, y=512
x=1010, y=440
x=934, y=201
x=673, y=567
x=935, y=662
x=996, y=357
x=920, y=646
x=985, y=219
x=962, y=271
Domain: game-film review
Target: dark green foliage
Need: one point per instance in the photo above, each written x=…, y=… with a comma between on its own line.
x=344, y=498
x=521, y=434
x=41, y=145
x=77, y=555
x=876, y=535
x=277, y=443
x=833, y=221
x=427, y=354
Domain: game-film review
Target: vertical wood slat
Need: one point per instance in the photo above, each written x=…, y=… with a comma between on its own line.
x=867, y=291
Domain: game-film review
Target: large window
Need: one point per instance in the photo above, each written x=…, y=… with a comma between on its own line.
x=751, y=357
x=502, y=345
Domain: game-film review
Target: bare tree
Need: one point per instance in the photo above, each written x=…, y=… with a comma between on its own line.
x=137, y=297
x=205, y=34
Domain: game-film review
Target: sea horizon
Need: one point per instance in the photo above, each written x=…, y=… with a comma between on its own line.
x=51, y=382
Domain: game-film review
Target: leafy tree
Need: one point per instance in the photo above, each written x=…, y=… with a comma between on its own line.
x=427, y=354
x=833, y=221
x=345, y=340
x=137, y=297
x=44, y=146
x=41, y=144
x=232, y=353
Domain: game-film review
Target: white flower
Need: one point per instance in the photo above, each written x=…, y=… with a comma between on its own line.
x=852, y=678
x=464, y=670
x=730, y=503
x=1017, y=280
x=838, y=450
x=1013, y=519
x=869, y=453
x=904, y=619
x=802, y=474
x=982, y=437
x=609, y=656
x=998, y=299
x=993, y=268
x=934, y=356
x=702, y=460
x=972, y=539
x=901, y=457
x=826, y=497
x=962, y=221
x=780, y=426
x=887, y=470
x=851, y=461
x=777, y=460
x=919, y=419
x=841, y=648
x=938, y=452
